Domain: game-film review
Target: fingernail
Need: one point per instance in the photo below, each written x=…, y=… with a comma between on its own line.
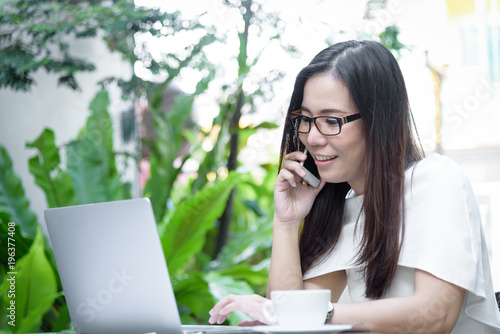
x=302, y=172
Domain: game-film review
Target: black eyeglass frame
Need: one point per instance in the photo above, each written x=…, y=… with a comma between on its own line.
x=340, y=120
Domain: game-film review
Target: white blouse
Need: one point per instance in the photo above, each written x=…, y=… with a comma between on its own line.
x=443, y=236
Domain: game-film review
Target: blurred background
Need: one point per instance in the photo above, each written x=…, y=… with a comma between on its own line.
x=183, y=102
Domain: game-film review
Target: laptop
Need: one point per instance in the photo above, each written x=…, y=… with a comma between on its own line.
x=113, y=271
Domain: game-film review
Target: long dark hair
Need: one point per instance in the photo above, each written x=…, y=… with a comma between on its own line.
x=377, y=89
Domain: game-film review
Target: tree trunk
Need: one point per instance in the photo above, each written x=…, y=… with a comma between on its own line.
x=227, y=215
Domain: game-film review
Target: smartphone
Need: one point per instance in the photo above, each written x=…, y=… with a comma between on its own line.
x=310, y=178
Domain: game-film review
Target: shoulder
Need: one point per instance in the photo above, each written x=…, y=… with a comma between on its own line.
x=437, y=166
x=437, y=173
x=439, y=199
x=440, y=209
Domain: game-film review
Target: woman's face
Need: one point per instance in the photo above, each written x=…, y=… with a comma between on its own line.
x=339, y=158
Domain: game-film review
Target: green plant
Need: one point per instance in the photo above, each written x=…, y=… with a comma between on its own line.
x=35, y=36
x=32, y=287
x=14, y=207
x=198, y=282
x=202, y=267
x=238, y=100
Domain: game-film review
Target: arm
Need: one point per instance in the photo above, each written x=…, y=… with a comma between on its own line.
x=335, y=281
x=252, y=304
x=433, y=308
x=292, y=202
x=285, y=272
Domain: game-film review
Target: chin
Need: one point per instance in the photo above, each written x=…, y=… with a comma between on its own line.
x=330, y=179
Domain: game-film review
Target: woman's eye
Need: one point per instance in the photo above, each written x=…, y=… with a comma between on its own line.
x=331, y=121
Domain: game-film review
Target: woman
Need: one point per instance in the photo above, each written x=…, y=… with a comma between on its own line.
x=401, y=231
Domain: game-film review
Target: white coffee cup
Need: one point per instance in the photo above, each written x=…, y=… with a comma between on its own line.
x=297, y=308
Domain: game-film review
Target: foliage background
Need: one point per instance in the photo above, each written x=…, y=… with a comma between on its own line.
x=222, y=212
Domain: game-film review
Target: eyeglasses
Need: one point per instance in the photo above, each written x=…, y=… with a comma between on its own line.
x=326, y=125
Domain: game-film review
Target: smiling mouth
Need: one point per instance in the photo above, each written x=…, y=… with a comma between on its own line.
x=325, y=158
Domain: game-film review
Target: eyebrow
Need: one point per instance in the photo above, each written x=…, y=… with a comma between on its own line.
x=325, y=111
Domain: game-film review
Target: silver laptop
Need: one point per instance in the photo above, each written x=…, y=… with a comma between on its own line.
x=113, y=270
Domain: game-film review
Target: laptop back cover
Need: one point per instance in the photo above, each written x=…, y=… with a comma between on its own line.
x=112, y=268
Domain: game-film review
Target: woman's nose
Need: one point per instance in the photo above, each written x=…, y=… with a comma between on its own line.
x=314, y=137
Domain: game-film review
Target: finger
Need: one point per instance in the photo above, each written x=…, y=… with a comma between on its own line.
x=217, y=319
x=236, y=305
x=286, y=175
x=222, y=303
x=253, y=310
x=222, y=318
x=215, y=311
x=294, y=166
x=296, y=156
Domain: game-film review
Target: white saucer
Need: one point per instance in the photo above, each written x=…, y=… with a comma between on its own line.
x=295, y=330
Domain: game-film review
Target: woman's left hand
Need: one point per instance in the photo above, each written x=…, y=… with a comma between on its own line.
x=251, y=305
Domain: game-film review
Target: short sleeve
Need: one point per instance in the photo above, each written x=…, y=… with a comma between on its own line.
x=444, y=234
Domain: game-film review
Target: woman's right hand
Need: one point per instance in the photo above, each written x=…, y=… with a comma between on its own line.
x=292, y=198
x=250, y=305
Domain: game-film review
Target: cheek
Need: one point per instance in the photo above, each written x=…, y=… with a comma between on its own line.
x=355, y=148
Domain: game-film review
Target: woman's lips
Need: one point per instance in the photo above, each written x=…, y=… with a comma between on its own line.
x=322, y=160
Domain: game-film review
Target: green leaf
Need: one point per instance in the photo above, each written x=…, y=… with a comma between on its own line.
x=246, y=132
x=59, y=317
x=14, y=206
x=166, y=148
x=91, y=161
x=184, y=231
x=266, y=125
x=58, y=190
x=245, y=244
x=215, y=158
x=35, y=288
x=193, y=296
x=256, y=275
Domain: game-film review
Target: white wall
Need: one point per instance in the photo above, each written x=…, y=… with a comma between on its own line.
x=24, y=115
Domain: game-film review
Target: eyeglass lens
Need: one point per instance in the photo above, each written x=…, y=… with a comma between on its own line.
x=325, y=125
